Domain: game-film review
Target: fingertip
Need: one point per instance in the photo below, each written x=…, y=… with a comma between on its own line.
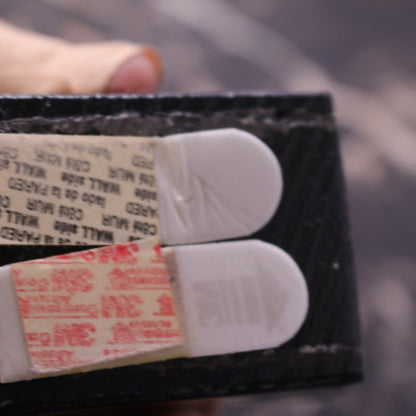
x=141, y=74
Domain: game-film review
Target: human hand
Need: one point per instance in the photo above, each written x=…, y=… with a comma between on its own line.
x=31, y=63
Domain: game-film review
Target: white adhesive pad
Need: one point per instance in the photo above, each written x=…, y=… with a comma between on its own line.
x=231, y=297
x=215, y=185
x=186, y=188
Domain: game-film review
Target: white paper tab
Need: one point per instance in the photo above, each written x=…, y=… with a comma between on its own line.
x=57, y=189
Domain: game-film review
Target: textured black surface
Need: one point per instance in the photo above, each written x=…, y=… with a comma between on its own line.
x=310, y=224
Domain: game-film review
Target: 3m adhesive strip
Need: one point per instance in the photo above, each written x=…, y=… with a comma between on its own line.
x=229, y=297
x=82, y=310
x=185, y=188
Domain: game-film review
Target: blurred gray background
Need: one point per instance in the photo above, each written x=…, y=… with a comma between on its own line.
x=363, y=53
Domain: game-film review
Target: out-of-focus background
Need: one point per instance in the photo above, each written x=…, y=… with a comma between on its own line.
x=363, y=53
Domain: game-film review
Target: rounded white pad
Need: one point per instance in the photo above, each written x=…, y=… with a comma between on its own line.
x=239, y=296
x=215, y=185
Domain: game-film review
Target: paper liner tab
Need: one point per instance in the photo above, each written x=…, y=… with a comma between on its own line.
x=93, y=306
x=58, y=189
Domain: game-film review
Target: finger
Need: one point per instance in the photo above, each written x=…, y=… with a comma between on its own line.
x=31, y=63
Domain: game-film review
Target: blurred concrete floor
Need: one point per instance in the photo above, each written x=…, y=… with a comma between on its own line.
x=361, y=52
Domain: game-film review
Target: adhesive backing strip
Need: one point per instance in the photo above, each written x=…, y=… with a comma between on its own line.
x=118, y=305
x=100, y=190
